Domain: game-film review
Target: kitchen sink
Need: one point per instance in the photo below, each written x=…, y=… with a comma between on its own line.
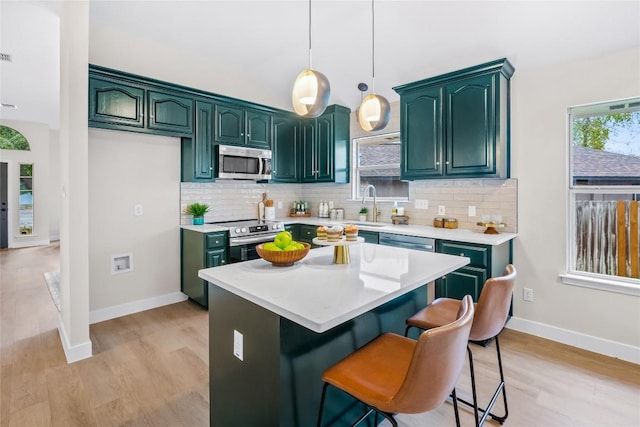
x=365, y=224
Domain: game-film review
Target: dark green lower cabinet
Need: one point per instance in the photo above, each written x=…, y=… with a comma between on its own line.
x=464, y=281
x=200, y=250
x=306, y=233
x=294, y=230
x=485, y=261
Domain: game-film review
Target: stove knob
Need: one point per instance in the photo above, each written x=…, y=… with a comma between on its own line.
x=237, y=230
x=276, y=226
x=244, y=230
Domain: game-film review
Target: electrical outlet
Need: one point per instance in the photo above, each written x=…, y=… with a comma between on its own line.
x=238, y=350
x=472, y=211
x=279, y=204
x=137, y=210
x=527, y=294
x=421, y=204
x=441, y=210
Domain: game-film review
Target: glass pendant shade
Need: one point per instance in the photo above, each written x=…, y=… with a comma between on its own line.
x=374, y=113
x=310, y=95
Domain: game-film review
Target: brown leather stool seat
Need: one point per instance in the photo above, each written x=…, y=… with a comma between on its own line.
x=394, y=374
x=491, y=312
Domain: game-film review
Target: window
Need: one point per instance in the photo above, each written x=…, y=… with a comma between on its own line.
x=604, y=194
x=376, y=161
x=26, y=199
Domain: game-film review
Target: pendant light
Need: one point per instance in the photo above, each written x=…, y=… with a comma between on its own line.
x=374, y=112
x=310, y=95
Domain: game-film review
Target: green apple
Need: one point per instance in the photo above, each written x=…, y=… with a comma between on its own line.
x=291, y=247
x=283, y=239
x=270, y=246
x=299, y=245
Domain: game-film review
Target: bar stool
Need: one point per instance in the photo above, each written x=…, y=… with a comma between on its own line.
x=490, y=317
x=394, y=374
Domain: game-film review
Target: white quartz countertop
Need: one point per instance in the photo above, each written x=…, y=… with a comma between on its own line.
x=457, y=234
x=204, y=228
x=320, y=295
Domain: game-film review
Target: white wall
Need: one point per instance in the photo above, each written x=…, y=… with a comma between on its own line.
x=55, y=199
x=125, y=170
x=148, y=58
x=603, y=321
x=43, y=186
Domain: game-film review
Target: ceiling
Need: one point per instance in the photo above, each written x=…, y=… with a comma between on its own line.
x=267, y=41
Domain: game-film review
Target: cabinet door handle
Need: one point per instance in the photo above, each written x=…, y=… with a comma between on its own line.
x=446, y=163
x=461, y=253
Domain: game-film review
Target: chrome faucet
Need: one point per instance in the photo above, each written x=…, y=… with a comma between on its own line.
x=375, y=205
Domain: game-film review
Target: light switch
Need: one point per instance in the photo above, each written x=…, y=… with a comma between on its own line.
x=137, y=210
x=237, y=345
x=472, y=211
x=441, y=210
x=421, y=204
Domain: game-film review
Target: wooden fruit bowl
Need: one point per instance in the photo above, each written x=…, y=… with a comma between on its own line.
x=283, y=258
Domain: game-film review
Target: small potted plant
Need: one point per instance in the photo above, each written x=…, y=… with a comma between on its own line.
x=197, y=210
x=363, y=214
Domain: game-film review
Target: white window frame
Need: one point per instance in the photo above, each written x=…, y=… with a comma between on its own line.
x=355, y=167
x=617, y=284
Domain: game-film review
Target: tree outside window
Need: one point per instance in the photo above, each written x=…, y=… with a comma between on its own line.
x=605, y=179
x=26, y=199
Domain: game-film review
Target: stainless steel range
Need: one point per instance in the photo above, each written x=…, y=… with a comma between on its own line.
x=245, y=234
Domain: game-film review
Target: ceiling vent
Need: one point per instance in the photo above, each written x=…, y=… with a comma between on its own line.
x=6, y=57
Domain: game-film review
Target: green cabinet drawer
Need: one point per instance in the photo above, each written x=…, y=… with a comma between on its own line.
x=216, y=240
x=478, y=254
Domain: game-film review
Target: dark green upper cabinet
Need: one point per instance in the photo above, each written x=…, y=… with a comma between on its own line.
x=116, y=103
x=471, y=126
x=198, y=156
x=238, y=125
x=457, y=125
x=422, y=133
x=285, y=149
x=325, y=146
x=170, y=113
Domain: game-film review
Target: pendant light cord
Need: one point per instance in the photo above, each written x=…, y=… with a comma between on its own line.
x=309, y=34
x=373, y=48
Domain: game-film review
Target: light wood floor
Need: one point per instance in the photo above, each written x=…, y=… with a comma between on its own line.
x=150, y=369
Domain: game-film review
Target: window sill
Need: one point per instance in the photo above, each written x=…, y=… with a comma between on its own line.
x=620, y=286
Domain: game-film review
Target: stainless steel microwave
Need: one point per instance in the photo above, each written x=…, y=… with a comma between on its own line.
x=243, y=163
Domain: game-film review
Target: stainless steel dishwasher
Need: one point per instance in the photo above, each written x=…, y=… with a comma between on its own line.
x=426, y=244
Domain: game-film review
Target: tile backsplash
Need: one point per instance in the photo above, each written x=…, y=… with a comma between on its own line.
x=231, y=200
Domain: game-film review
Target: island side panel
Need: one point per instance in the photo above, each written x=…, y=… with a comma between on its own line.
x=243, y=393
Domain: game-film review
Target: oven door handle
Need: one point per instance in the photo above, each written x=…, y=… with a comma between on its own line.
x=237, y=241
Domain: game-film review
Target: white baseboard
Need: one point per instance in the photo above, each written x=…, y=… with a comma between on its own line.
x=54, y=237
x=112, y=312
x=75, y=352
x=28, y=243
x=577, y=339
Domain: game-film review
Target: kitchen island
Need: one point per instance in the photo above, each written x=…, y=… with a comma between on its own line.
x=273, y=330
